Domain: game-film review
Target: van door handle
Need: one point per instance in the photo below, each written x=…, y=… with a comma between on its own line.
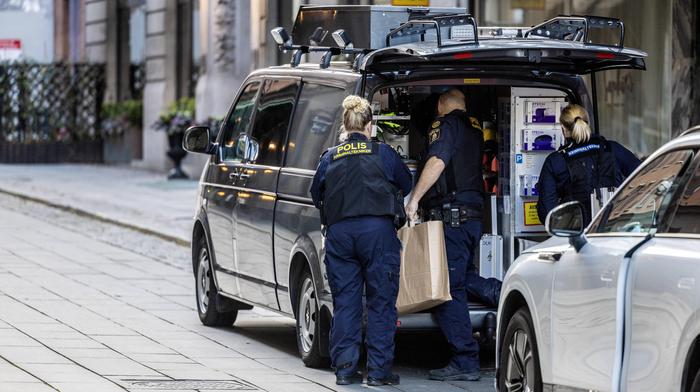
x=233, y=176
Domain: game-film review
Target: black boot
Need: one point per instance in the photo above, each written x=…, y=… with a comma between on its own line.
x=391, y=379
x=352, y=378
x=453, y=373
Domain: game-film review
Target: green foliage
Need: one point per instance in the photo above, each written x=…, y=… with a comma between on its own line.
x=130, y=110
x=119, y=116
x=178, y=116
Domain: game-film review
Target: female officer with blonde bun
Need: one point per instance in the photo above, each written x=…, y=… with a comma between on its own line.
x=359, y=187
x=583, y=165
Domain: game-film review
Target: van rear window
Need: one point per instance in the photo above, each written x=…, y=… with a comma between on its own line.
x=316, y=125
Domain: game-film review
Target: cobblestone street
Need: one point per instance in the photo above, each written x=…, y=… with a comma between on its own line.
x=89, y=306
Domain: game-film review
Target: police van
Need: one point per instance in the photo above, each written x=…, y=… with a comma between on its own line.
x=257, y=237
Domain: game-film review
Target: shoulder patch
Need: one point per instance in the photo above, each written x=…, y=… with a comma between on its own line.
x=435, y=124
x=475, y=123
x=433, y=135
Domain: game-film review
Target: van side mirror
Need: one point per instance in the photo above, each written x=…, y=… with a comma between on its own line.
x=566, y=220
x=197, y=140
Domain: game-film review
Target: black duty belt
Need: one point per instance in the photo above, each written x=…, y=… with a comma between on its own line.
x=454, y=215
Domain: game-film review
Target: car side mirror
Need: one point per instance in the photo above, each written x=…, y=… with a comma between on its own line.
x=197, y=140
x=566, y=221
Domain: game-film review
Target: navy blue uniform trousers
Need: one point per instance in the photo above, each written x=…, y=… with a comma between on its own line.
x=363, y=253
x=453, y=316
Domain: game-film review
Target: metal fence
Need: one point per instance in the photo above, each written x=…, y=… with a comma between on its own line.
x=56, y=102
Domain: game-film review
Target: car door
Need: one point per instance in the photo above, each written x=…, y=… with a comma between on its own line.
x=584, y=299
x=663, y=294
x=257, y=186
x=219, y=184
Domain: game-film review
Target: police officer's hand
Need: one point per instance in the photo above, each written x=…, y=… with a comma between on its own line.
x=412, y=210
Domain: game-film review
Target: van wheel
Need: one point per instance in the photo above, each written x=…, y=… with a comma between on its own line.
x=519, y=361
x=308, y=322
x=208, y=299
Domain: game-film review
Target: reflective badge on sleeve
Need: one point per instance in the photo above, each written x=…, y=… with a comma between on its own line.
x=433, y=135
x=475, y=123
x=436, y=124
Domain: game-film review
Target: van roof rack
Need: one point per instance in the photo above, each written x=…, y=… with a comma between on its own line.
x=416, y=29
x=576, y=28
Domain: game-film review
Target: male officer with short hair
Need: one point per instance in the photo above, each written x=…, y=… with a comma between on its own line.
x=450, y=189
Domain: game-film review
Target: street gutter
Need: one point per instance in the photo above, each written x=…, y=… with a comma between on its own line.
x=92, y=215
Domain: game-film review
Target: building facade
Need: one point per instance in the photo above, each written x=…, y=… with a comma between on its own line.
x=163, y=50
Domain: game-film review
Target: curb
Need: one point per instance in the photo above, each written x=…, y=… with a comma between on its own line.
x=92, y=215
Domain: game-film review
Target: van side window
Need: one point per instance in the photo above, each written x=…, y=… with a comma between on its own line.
x=686, y=220
x=315, y=125
x=237, y=124
x=639, y=206
x=272, y=120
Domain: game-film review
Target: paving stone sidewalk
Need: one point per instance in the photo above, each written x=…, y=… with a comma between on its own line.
x=122, y=194
x=80, y=314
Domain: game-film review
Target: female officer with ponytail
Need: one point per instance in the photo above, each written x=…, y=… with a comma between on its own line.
x=359, y=187
x=584, y=167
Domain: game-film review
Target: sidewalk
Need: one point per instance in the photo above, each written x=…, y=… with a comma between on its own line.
x=139, y=199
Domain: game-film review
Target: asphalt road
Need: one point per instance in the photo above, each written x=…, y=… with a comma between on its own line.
x=89, y=306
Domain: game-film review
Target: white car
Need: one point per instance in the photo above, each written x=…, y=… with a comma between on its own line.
x=614, y=307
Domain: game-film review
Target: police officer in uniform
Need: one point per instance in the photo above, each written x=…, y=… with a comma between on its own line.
x=586, y=165
x=359, y=187
x=450, y=189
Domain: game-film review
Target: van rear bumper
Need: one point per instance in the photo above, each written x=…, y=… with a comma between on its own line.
x=427, y=320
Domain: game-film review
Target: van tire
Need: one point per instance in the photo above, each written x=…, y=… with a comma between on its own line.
x=309, y=324
x=209, y=302
x=519, y=342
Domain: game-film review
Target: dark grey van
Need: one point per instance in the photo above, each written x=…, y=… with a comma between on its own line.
x=257, y=237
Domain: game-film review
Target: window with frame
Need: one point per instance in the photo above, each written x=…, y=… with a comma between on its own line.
x=638, y=207
x=237, y=124
x=686, y=218
x=315, y=124
x=272, y=117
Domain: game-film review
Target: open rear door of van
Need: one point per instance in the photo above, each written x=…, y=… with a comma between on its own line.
x=567, y=44
x=537, y=55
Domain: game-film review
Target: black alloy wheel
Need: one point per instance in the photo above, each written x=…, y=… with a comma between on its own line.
x=308, y=324
x=519, y=361
x=208, y=298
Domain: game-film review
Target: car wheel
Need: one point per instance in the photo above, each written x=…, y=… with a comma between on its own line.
x=519, y=363
x=207, y=296
x=696, y=384
x=308, y=323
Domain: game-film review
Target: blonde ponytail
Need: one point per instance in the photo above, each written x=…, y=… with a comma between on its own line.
x=357, y=114
x=574, y=119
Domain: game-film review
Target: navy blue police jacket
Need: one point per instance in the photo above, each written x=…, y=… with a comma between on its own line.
x=457, y=140
x=395, y=170
x=555, y=181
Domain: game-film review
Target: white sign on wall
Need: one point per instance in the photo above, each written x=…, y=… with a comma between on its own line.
x=10, y=49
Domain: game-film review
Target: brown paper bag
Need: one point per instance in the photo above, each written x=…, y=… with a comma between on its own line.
x=425, y=280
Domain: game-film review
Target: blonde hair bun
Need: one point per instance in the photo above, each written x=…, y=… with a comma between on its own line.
x=355, y=104
x=357, y=113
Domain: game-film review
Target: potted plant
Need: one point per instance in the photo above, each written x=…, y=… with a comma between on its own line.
x=121, y=122
x=174, y=121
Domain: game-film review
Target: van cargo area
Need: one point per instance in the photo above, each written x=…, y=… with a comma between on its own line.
x=520, y=127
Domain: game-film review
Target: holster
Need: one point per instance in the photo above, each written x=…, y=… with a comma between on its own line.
x=454, y=215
